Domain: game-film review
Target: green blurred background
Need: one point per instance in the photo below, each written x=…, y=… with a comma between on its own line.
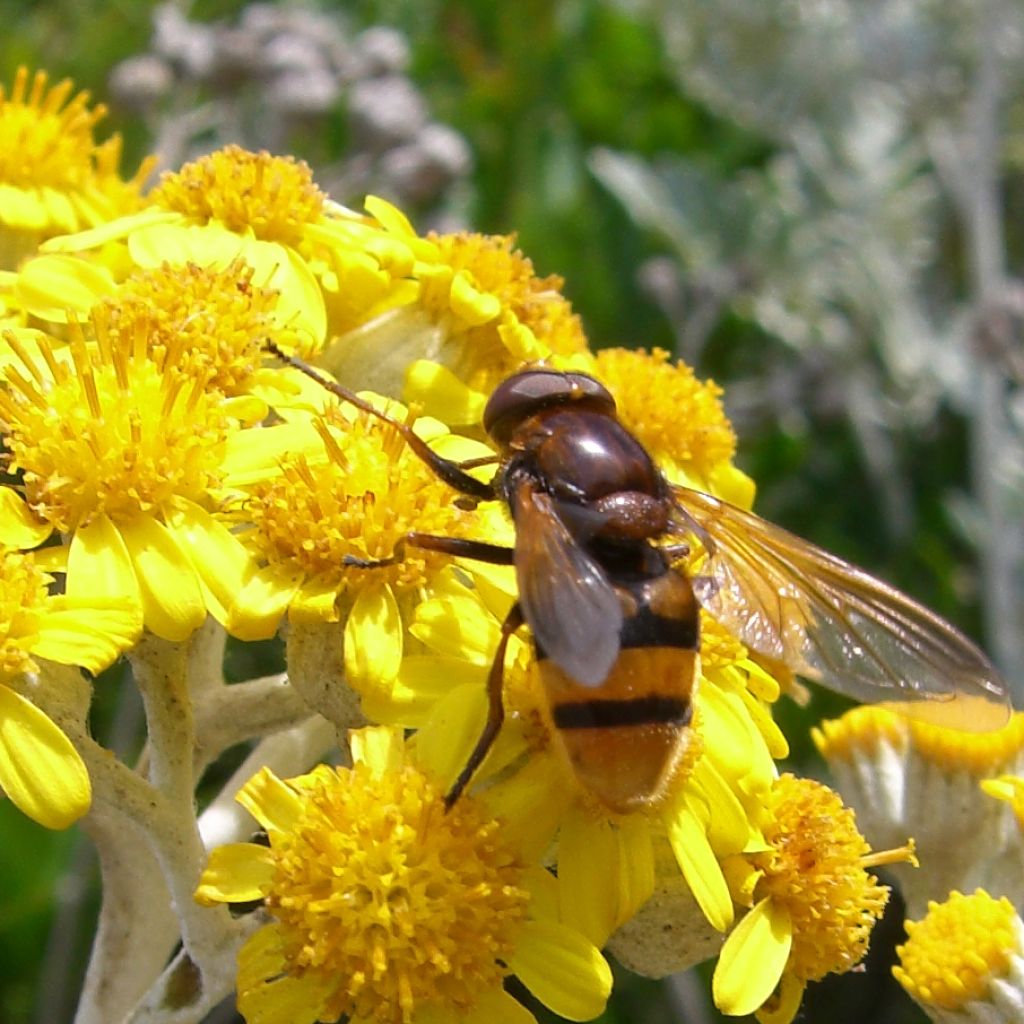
x=776, y=195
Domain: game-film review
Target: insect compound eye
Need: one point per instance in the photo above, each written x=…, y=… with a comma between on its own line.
x=524, y=394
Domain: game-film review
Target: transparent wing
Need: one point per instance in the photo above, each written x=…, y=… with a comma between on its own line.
x=836, y=624
x=566, y=598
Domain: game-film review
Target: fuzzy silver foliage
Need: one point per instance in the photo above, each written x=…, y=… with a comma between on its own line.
x=887, y=121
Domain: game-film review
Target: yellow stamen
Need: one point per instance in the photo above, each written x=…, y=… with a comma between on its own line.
x=391, y=902
x=816, y=870
x=119, y=437
x=273, y=196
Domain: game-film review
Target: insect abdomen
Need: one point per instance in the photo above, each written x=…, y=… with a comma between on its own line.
x=625, y=738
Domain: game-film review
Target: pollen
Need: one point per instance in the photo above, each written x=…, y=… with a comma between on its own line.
x=273, y=196
x=108, y=431
x=389, y=902
x=718, y=647
x=958, y=949
x=359, y=501
x=678, y=418
x=210, y=323
x=815, y=869
x=22, y=598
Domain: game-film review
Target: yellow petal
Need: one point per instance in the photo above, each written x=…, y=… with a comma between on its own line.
x=261, y=957
x=605, y=871
x=785, y=1004
x=285, y=1000
x=51, y=286
x=494, y=1007
x=700, y=868
x=315, y=600
x=532, y=802
x=381, y=748
x=171, y=596
x=19, y=528
x=264, y=597
x=99, y=567
x=729, y=828
x=727, y=481
x=752, y=959
x=273, y=803
x=220, y=562
x=471, y=305
x=91, y=634
x=236, y=872
x=445, y=742
x=458, y=627
x=440, y=393
x=108, y=232
x=565, y=971
x=40, y=770
x=421, y=682
x=373, y=637
x=522, y=342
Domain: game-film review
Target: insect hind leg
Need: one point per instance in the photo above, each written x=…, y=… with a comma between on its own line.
x=495, y=708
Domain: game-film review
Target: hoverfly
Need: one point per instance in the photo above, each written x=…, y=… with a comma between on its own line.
x=615, y=623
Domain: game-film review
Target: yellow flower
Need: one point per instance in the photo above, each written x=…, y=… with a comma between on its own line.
x=118, y=451
x=813, y=904
x=387, y=908
x=40, y=770
x=965, y=960
x=213, y=323
x=906, y=777
x=54, y=178
x=227, y=206
x=313, y=494
x=468, y=312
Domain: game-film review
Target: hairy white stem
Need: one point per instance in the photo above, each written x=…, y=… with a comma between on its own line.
x=287, y=753
x=232, y=714
x=209, y=937
x=137, y=928
x=316, y=668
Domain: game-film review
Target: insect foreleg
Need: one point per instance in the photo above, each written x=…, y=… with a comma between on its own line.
x=451, y=472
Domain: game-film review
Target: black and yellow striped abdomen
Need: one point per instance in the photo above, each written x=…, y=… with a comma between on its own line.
x=625, y=738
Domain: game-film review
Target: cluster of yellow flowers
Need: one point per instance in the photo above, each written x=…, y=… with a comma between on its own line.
x=168, y=485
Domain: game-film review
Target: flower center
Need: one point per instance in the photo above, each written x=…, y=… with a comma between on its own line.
x=360, y=501
x=816, y=870
x=107, y=432
x=676, y=417
x=393, y=902
x=45, y=145
x=961, y=946
x=273, y=196
x=210, y=323
x=22, y=596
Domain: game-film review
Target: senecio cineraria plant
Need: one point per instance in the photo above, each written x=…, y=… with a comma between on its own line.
x=169, y=485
